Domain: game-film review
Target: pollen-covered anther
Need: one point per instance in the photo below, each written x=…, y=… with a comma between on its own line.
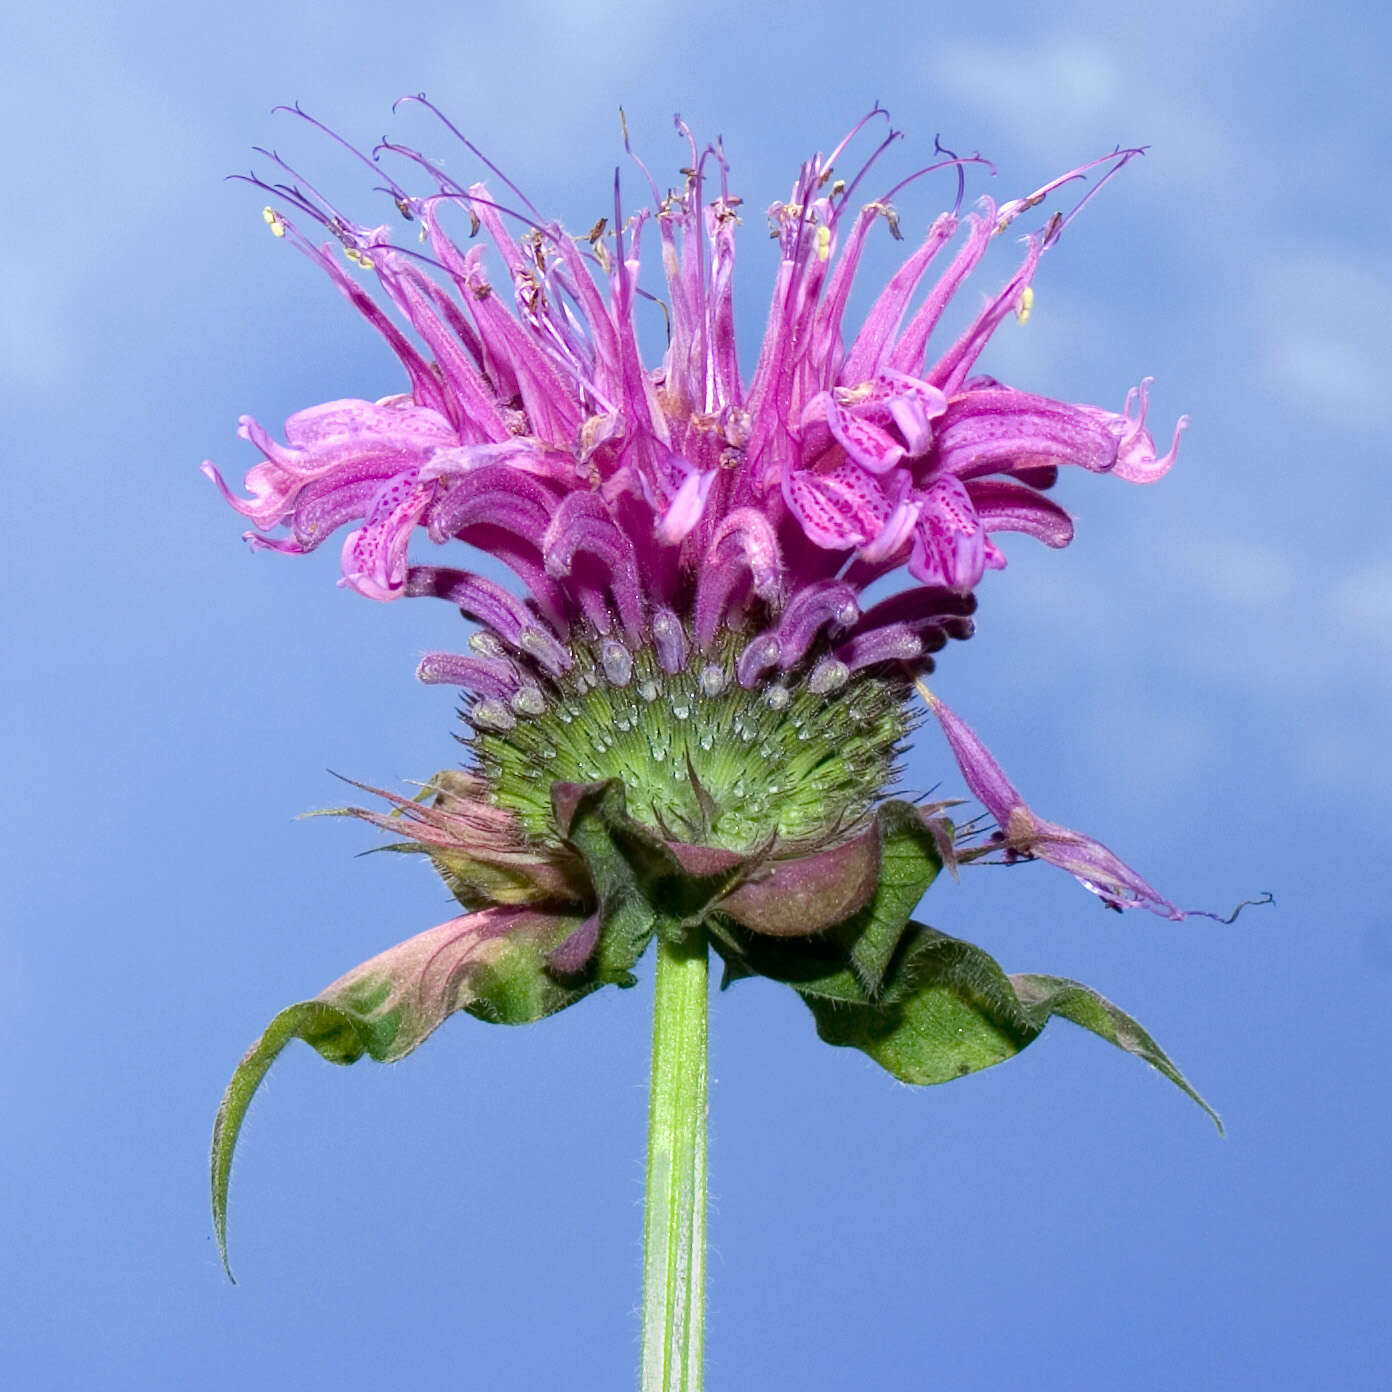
x=734, y=426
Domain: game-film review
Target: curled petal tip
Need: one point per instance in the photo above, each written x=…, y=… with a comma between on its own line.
x=1139, y=463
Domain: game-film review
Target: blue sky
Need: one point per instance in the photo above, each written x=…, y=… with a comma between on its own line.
x=1201, y=680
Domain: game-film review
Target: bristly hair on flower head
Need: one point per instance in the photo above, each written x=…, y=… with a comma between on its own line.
x=692, y=665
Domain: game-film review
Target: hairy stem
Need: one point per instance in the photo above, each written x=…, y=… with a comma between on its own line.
x=674, y=1240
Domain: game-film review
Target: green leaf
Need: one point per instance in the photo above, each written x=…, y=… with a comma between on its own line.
x=1071, y=1000
x=311, y=1021
x=492, y=964
x=951, y=1011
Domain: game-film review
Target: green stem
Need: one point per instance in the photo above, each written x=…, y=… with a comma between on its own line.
x=674, y=1238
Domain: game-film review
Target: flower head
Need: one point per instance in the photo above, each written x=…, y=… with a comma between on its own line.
x=689, y=544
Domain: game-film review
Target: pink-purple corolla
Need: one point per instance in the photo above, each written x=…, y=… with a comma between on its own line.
x=671, y=508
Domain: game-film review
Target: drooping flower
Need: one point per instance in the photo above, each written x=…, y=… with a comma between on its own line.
x=691, y=710
x=1022, y=835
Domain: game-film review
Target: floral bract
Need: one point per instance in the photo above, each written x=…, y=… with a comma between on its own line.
x=687, y=713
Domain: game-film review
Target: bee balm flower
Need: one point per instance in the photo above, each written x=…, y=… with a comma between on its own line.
x=693, y=549
x=689, y=709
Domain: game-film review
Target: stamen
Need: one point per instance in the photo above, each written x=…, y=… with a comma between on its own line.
x=420, y=99
x=396, y=191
